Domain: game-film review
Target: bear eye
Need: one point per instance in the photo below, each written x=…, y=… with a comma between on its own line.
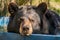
x=21, y=19
x=31, y=20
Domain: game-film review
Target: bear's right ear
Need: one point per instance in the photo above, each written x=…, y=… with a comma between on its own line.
x=42, y=7
x=12, y=8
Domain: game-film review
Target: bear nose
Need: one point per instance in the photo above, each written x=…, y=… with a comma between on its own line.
x=25, y=28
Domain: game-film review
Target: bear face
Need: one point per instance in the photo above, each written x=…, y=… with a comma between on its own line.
x=26, y=19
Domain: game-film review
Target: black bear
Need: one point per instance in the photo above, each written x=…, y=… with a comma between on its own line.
x=29, y=19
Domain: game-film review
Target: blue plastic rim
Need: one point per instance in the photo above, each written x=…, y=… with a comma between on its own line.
x=4, y=21
x=14, y=36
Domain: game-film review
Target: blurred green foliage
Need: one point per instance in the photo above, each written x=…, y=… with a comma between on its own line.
x=4, y=12
x=57, y=0
x=56, y=10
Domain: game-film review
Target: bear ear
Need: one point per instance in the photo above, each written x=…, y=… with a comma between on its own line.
x=42, y=7
x=12, y=8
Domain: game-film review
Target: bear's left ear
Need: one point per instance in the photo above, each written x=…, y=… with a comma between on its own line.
x=42, y=7
x=12, y=8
